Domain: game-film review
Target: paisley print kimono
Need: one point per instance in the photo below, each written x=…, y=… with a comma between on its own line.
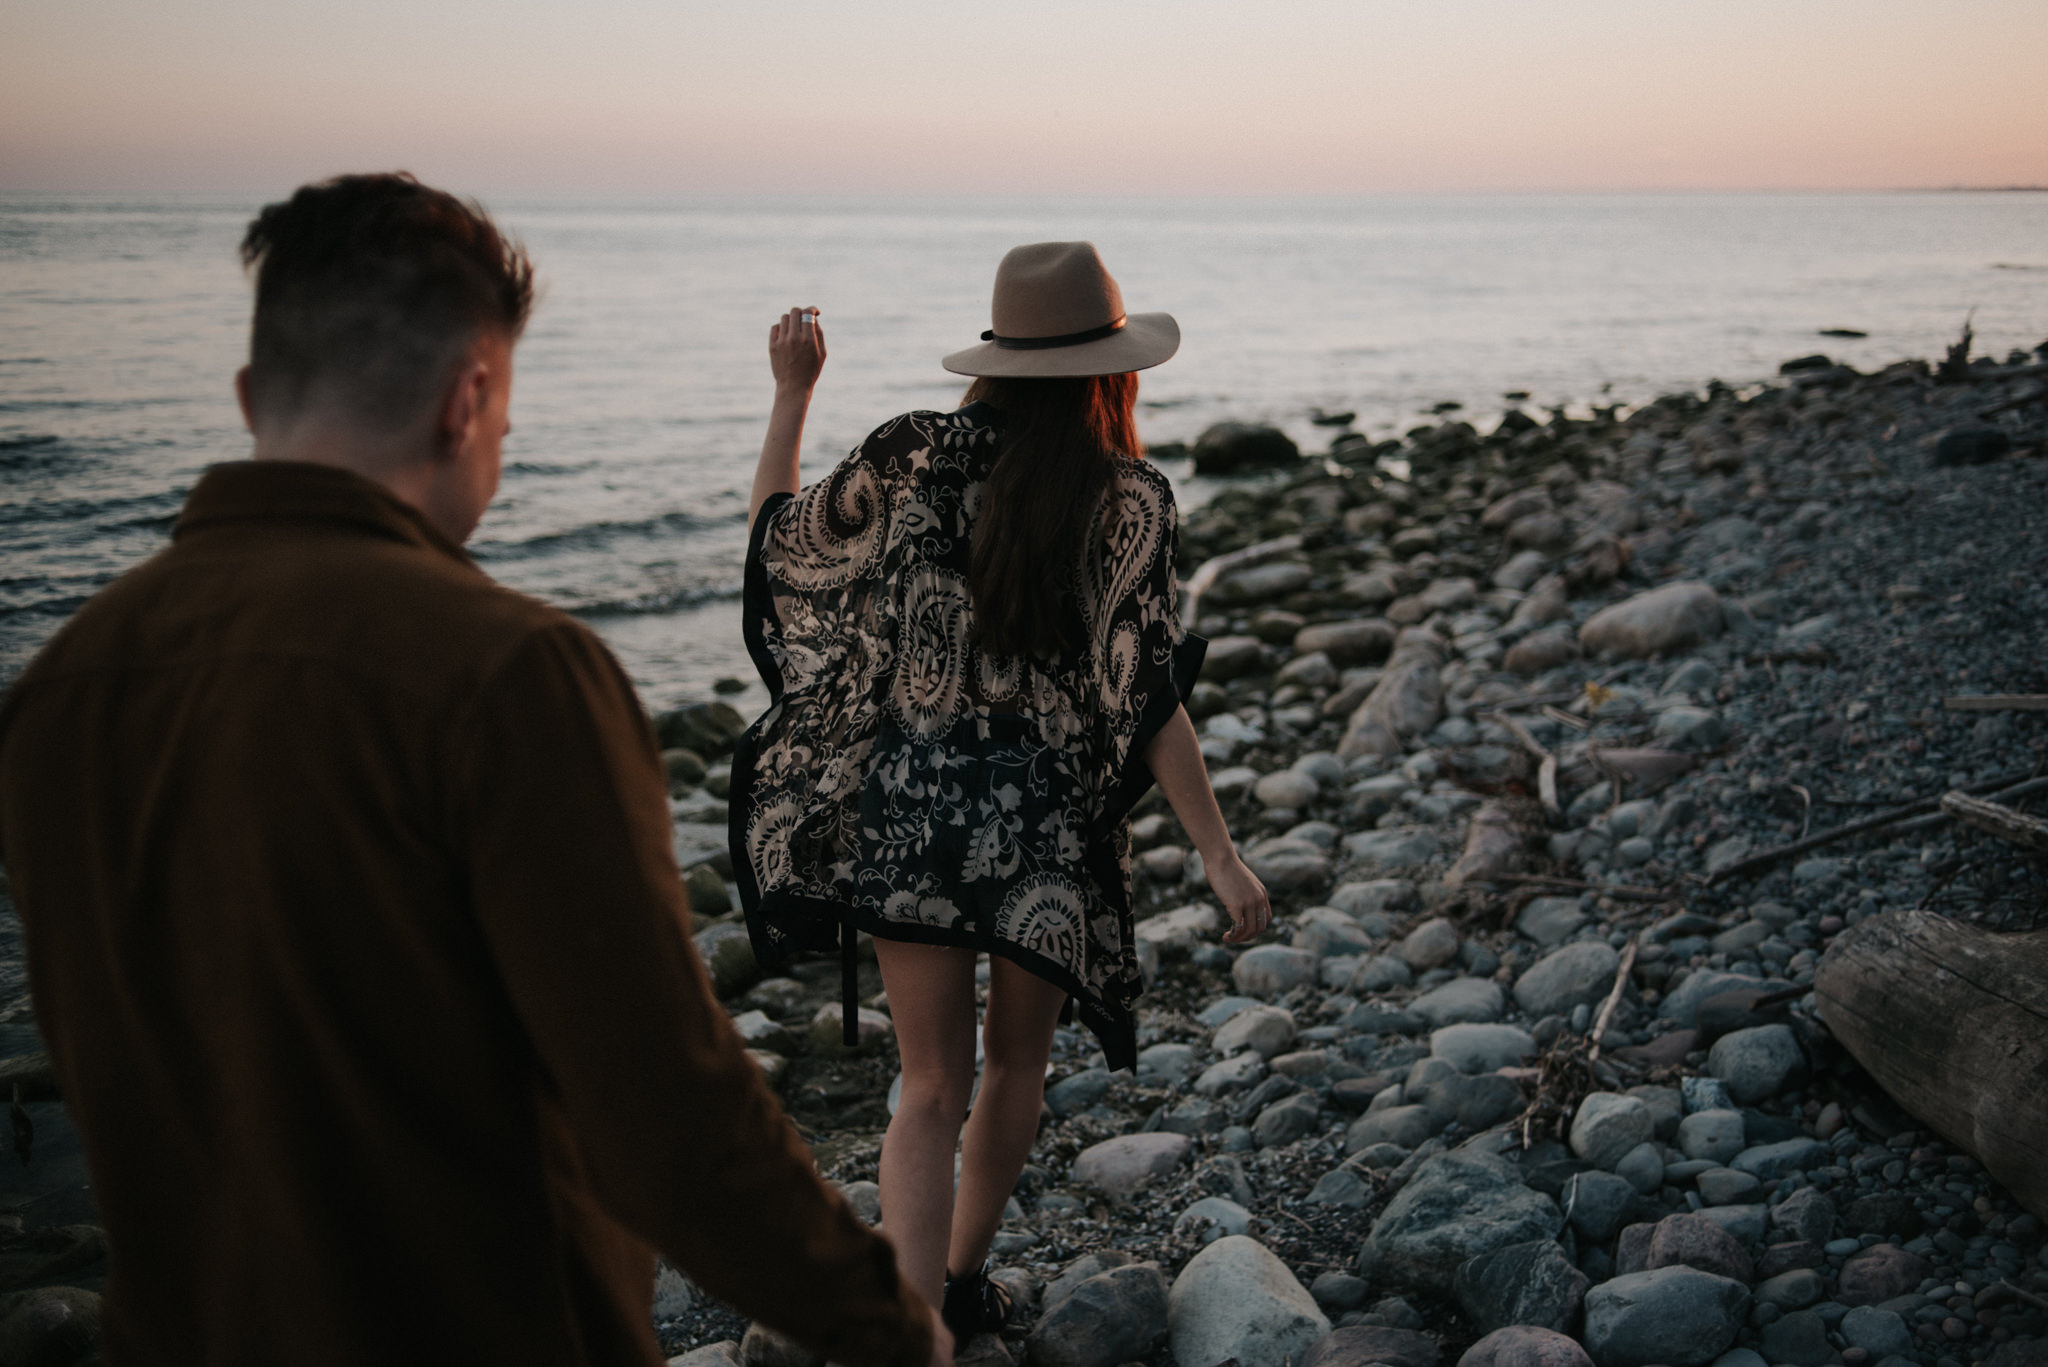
x=907, y=784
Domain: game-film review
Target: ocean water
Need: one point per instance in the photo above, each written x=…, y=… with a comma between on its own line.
x=642, y=385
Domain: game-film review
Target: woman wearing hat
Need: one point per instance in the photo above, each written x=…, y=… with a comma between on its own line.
x=970, y=631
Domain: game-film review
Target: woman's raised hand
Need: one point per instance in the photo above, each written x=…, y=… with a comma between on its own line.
x=796, y=350
x=1242, y=895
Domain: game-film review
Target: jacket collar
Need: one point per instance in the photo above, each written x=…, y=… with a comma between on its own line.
x=281, y=490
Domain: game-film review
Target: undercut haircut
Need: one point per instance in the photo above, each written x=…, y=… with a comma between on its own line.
x=371, y=288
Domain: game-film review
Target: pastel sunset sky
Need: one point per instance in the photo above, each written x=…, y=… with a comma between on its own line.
x=663, y=97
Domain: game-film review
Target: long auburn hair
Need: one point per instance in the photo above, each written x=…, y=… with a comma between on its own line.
x=1060, y=441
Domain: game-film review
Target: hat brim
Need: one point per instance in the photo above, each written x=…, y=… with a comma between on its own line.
x=1144, y=341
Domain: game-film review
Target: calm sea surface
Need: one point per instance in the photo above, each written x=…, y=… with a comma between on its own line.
x=642, y=385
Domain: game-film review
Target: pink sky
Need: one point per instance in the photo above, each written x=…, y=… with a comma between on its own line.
x=931, y=96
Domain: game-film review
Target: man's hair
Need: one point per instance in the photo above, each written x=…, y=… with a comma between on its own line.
x=374, y=286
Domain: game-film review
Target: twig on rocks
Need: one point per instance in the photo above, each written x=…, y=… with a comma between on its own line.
x=1628, y=961
x=1558, y=714
x=2038, y=1302
x=2034, y=396
x=1546, y=763
x=1618, y=892
x=1536, y=700
x=1997, y=702
x=1937, y=816
x=1520, y=733
x=1209, y=571
x=1778, y=854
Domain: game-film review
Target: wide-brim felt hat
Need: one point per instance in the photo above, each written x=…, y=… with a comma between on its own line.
x=1058, y=314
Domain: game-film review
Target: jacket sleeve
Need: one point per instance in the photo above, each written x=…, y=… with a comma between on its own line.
x=564, y=813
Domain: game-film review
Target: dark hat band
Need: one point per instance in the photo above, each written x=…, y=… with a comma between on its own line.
x=1109, y=329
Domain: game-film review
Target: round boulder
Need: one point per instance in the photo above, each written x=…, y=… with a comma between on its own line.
x=1235, y=1299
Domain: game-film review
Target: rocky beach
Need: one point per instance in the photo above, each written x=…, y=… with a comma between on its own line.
x=1540, y=729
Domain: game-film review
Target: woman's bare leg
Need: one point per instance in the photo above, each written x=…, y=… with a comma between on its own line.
x=1016, y=1041
x=931, y=1001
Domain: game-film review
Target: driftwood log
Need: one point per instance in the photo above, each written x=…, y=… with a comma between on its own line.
x=1952, y=1021
x=2030, y=833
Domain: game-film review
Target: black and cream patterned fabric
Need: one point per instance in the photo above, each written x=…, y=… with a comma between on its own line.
x=905, y=783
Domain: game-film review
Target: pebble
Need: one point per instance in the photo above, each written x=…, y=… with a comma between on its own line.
x=1878, y=1274
x=1607, y=1126
x=1272, y=970
x=1599, y=1204
x=1268, y=1030
x=1481, y=1048
x=1461, y=1000
x=1696, y=1241
x=1657, y=621
x=1550, y=920
x=1757, y=1063
x=1564, y=978
x=1799, y=1338
x=1119, y=1166
x=1212, y=1218
x=1727, y=1187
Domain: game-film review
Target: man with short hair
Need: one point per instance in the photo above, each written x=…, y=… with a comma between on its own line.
x=352, y=921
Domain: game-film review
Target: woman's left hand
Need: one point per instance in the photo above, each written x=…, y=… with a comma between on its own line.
x=796, y=350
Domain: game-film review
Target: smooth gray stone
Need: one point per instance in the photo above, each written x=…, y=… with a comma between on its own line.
x=1599, y=1204
x=1727, y=1187
x=1607, y=1126
x=1746, y=1223
x=1769, y=1162
x=1757, y=1063
x=1564, y=978
x=1678, y=1316
x=1715, y=1135
x=1461, y=1000
x=1235, y=1299
x=1799, y=1338
x=1340, y=1187
x=1794, y=1290
x=1877, y=1332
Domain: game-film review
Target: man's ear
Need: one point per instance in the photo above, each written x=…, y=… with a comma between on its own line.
x=462, y=406
x=242, y=398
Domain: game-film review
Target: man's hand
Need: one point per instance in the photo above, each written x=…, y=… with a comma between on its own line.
x=796, y=351
x=1242, y=895
x=942, y=1341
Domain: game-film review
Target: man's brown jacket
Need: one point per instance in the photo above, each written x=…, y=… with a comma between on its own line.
x=355, y=935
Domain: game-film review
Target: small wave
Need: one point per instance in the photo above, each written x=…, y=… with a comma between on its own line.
x=541, y=467
x=597, y=535
x=33, y=451
x=102, y=514
x=663, y=601
x=2016, y=266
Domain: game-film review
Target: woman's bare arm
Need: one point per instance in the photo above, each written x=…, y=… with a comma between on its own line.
x=796, y=353
x=1175, y=759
